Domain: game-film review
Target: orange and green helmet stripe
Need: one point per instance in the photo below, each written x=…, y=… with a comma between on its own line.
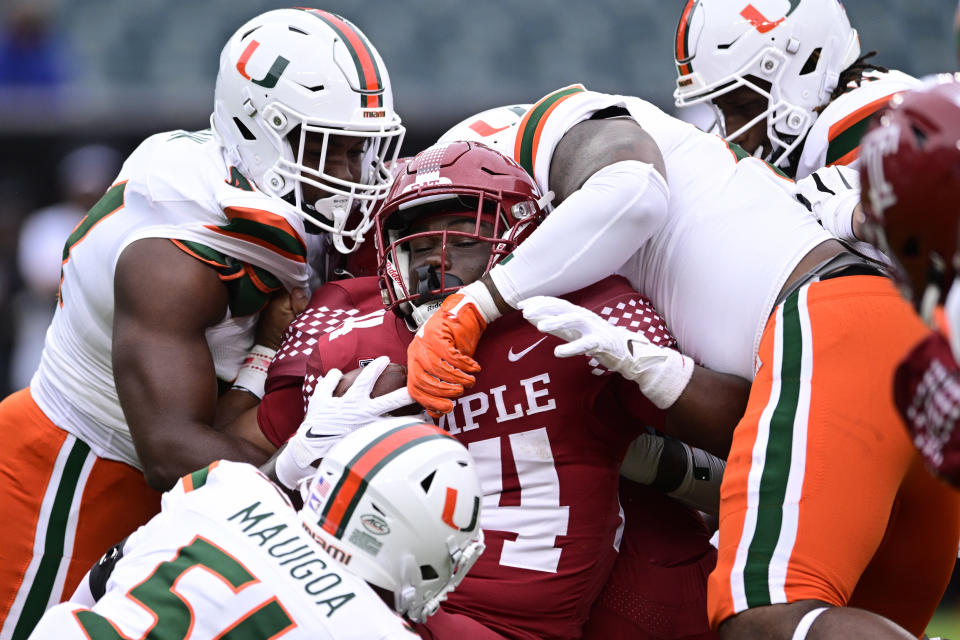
x=371, y=84
x=361, y=469
x=531, y=127
x=843, y=137
x=682, y=52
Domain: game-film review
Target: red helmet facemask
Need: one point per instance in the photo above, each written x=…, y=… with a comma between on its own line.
x=910, y=182
x=497, y=199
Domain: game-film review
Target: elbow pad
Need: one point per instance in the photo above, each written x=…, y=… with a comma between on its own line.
x=589, y=235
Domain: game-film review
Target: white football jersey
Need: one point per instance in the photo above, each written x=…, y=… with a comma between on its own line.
x=732, y=235
x=227, y=557
x=835, y=136
x=175, y=185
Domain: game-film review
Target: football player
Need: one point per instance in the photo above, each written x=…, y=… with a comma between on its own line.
x=788, y=84
x=786, y=80
x=548, y=435
x=161, y=287
x=910, y=172
x=751, y=285
x=228, y=556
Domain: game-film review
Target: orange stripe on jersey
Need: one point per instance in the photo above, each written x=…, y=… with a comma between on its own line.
x=255, y=279
x=843, y=137
x=265, y=218
x=261, y=243
x=365, y=465
x=196, y=255
x=841, y=125
x=527, y=144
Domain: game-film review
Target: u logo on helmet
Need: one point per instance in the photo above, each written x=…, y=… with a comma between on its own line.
x=450, y=505
x=269, y=81
x=760, y=22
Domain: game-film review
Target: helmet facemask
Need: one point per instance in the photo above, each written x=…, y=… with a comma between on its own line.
x=494, y=202
x=290, y=81
x=799, y=48
x=345, y=211
x=478, y=218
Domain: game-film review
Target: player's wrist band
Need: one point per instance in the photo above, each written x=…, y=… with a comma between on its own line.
x=253, y=371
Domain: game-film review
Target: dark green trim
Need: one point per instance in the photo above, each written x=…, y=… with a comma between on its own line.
x=537, y=113
x=776, y=461
x=54, y=542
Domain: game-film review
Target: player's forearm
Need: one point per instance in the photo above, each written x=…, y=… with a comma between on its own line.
x=708, y=410
x=231, y=405
x=184, y=448
x=589, y=236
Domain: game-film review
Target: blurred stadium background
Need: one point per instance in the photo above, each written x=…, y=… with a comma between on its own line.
x=110, y=72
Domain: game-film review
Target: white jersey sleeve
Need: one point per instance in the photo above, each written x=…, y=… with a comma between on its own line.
x=713, y=263
x=228, y=552
x=175, y=185
x=835, y=136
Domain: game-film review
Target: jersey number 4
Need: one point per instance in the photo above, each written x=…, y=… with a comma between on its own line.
x=174, y=615
x=539, y=518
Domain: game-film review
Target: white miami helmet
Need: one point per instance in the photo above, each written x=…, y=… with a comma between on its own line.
x=310, y=73
x=494, y=127
x=398, y=503
x=799, y=47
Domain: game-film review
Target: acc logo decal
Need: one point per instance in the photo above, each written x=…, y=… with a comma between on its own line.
x=375, y=524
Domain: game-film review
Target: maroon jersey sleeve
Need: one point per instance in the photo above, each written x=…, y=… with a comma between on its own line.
x=330, y=307
x=281, y=411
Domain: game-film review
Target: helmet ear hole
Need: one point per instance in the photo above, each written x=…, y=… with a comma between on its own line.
x=811, y=64
x=428, y=481
x=243, y=129
x=428, y=573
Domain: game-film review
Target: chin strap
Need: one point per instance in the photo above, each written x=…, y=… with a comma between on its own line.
x=337, y=210
x=428, y=280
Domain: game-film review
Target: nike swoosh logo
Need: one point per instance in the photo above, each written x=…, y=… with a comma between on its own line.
x=513, y=357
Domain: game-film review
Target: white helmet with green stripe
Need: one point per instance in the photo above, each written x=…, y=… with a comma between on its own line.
x=291, y=75
x=398, y=503
x=797, y=48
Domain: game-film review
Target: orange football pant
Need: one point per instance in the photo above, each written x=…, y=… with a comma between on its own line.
x=62, y=507
x=824, y=496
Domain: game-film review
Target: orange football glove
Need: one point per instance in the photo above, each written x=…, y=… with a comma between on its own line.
x=438, y=360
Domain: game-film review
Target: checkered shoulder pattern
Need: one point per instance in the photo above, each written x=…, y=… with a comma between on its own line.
x=300, y=338
x=636, y=313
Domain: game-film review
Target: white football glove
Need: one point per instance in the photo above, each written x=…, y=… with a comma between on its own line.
x=661, y=372
x=831, y=194
x=329, y=418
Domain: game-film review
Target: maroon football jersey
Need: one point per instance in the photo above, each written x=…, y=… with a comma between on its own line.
x=548, y=436
x=330, y=306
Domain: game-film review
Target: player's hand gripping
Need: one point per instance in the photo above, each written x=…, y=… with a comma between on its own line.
x=329, y=418
x=831, y=195
x=439, y=362
x=661, y=373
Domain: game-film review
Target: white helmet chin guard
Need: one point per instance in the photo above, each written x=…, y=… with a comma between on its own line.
x=398, y=503
x=309, y=73
x=800, y=47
